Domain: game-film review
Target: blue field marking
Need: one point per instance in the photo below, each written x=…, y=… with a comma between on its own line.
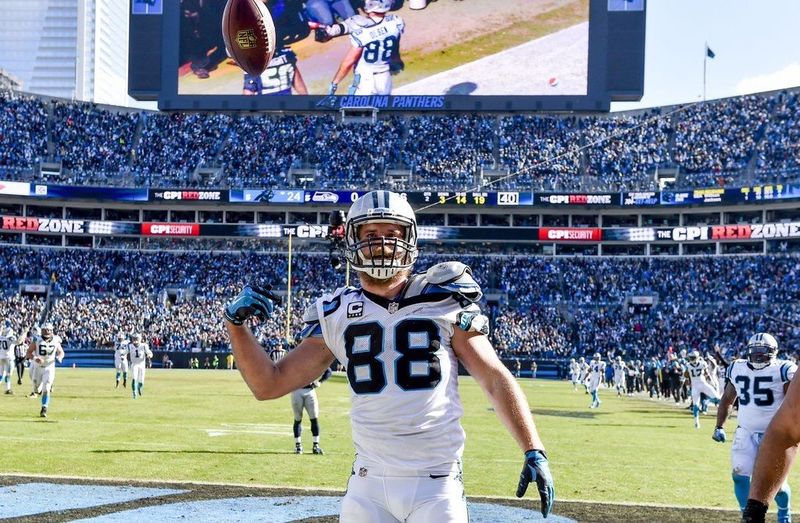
x=27, y=499
x=290, y=508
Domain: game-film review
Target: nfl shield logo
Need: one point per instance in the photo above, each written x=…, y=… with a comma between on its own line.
x=393, y=307
x=246, y=39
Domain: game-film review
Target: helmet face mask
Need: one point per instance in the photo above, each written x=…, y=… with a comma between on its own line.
x=762, y=349
x=47, y=331
x=381, y=257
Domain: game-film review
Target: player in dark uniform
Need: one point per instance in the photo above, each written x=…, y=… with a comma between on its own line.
x=281, y=77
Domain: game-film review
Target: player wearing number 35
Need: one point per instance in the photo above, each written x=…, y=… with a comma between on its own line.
x=400, y=337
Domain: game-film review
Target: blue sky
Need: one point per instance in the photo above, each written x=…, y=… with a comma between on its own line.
x=757, y=46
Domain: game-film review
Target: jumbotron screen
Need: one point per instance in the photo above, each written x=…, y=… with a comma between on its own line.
x=420, y=55
x=474, y=47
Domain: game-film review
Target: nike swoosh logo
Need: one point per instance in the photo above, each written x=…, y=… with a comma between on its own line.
x=435, y=476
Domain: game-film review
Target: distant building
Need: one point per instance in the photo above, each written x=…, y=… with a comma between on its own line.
x=67, y=48
x=8, y=81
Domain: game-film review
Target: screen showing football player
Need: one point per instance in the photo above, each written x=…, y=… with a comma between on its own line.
x=759, y=383
x=282, y=76
x=45, y=350
x=375, y=40
x=401, y=337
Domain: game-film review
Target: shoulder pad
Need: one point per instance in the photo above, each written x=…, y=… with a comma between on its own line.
x=358, y=21
x=311, y=314
x=456, y=278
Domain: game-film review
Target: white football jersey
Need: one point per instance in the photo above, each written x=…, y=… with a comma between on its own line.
x=139, y=353
x=121, y=350
x=380, y=41
x=402, y=371
x=584, y=368
x=697, y=370
x=597, y=368
x=7, y=342
x=760, y=391
x=574, y=368
x=46, y=350
x=619, y=370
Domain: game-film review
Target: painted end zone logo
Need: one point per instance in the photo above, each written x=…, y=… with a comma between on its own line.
x=170, y=229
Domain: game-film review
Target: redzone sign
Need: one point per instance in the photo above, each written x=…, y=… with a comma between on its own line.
x=54, y=225
x=170, y=229
x=570, y=234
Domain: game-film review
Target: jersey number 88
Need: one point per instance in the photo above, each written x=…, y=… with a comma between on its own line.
x=405, y=378
x=372, y=51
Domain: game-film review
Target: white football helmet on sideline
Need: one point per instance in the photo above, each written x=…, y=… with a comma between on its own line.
x=381, y=207
x=378, y=6
x=762, y=349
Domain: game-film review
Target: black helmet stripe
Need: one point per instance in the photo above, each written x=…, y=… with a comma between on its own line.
x=375, y=203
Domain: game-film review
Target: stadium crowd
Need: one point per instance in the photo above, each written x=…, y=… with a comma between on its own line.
x=540, y=306
x=741, y=140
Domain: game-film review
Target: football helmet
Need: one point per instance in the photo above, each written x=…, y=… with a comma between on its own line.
x=47, y=331
x=120, y=337
x=762, y=349
x=387, y=256
x=596, y=356
x=572, y=360
x=378, y=6
x=137, y=338
x=582, y=360
x=694, y=356
x=619, y=359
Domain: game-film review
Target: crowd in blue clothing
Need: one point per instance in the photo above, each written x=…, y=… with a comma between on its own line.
x=740, y=140
x=542, y=307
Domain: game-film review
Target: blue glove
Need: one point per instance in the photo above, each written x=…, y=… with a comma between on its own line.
x=537, y=469
x=719, y=435
x=332, y=89
x=252, y=301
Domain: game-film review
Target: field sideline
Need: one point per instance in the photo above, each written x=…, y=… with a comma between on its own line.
x=203, y=426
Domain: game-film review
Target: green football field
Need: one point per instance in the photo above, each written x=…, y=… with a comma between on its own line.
x=204, y=426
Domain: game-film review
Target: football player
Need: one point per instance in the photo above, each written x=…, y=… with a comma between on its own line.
x=280, y=78
x=597, y=368
x=584, y=373
x=306, y=398
x=139, y=352
x=619, y=375
x=699, y=374
x=574, y=373
x=8, y=340
x=401, y=337
x=760, y=383
x=45, y=351
x=375, y=40
x=20, y=349
x=121, y=359
x=34, y=369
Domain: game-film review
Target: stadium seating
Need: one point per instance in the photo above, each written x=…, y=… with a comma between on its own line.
x=741, y=140
x=539, y=306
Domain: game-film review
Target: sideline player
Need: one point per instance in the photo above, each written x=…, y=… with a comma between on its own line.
x=574, y=373
x=138, y=352
x=619, y=375
x=760, y=383
x=20, y=349
x=45, y=351
x=699, y=373
x=306, y=398
x=400, y=337
x=375, y=40
x=121, y=359
x=597, y=369
x=583, y=376
x=8, y=341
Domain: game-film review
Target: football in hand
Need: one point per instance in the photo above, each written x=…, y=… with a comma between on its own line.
x=249, y=34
